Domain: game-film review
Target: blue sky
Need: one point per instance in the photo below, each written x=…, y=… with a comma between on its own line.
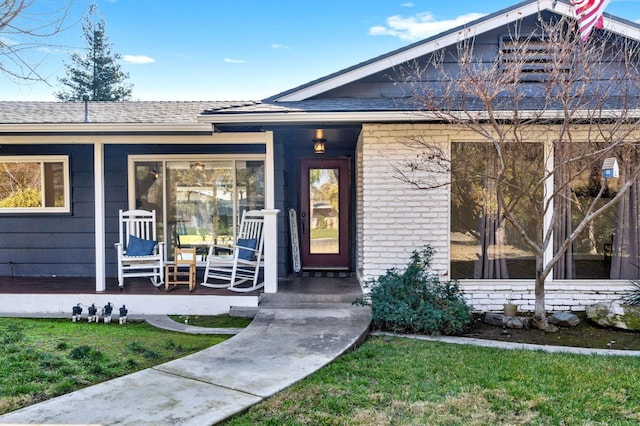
x=245, y=49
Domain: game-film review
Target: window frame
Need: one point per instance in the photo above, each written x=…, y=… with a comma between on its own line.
x=42, y=159
x=164, y=158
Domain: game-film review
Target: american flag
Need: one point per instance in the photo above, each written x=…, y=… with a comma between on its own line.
x=589, y=15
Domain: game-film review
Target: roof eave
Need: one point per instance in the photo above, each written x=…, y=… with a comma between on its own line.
x=103, y=127
x=340, y=117
x=359, y=117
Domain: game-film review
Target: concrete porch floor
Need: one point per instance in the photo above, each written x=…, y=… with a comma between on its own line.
x=320, y=289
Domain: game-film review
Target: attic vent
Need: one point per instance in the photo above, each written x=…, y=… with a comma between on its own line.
x=532, y=56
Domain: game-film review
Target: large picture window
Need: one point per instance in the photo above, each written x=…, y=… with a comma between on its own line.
x=486, y=246
x=198, y=201
x=580, y=188
x=34, y=184
x=483, y=244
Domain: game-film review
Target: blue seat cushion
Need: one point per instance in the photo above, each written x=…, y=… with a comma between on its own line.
x=249, y=243
x=139, y=247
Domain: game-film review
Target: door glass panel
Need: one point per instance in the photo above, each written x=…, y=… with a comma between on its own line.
x=149, y=190
x=199, y=203
x=249, y=186
x=324, y=217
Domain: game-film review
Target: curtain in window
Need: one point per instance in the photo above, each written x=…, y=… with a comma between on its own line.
x=626, y=244
x=492, y=261
x=565, y=268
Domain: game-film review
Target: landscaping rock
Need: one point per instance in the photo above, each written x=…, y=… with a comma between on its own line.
x=613, y=314
x=564, y=319
x=494, y=319
x=515, y=322
x=502, y=320
x=550, y=328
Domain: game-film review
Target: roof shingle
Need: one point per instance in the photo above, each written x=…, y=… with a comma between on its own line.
x=23, y=112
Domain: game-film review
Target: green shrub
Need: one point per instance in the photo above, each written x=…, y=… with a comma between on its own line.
x=416, y=301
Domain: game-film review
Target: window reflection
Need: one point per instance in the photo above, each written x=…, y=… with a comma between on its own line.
x=34, y=184
x=199, y=202
x=324, y=211
x=483, y=244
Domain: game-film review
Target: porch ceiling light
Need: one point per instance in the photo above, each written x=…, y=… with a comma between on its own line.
x=198, y=167
x=318, y=142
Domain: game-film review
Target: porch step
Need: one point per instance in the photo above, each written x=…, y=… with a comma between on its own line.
x=243, y=311
x=272, y=300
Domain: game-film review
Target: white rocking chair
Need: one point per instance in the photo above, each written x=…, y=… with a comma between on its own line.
x=139, y=252
x=243, y=264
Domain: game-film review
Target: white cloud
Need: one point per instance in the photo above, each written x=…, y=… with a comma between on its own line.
x=234, y=61
x=138, y=59
x=408, y=4
x=279, y=46
x=8, y=42
x=420, y=26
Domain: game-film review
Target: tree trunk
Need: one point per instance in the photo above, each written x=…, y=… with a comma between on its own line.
x=540, y=314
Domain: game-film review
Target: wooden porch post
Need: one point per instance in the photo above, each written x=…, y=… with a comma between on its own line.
x=98, y=170
x=270, y=250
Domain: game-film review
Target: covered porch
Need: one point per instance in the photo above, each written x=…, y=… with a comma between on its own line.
x=55, y=296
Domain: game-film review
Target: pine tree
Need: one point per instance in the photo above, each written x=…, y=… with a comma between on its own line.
x=95, y=75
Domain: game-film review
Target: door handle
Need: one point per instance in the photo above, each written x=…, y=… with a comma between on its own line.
x=302, y=215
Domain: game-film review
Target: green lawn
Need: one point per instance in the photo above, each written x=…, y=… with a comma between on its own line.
x=322, y=233
x=386, y=381
x=42, y=358
x=396, y=381
x=216, y=321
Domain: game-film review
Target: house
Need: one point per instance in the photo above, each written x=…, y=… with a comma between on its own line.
x=200, y=164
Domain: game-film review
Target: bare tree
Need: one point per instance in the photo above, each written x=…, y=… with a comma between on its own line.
x=26, y=27
x=547, y=110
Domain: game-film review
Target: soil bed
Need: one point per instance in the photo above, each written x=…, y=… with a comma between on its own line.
x=586, y=335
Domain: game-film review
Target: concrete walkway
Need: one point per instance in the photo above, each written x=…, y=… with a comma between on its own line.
x=166, y=323
x=279, y=348
x=511, y=345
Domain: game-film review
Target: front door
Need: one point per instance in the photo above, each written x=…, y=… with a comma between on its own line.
x=324, y=213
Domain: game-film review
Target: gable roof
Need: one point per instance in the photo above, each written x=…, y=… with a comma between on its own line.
x=447, y=38
x=302, y=104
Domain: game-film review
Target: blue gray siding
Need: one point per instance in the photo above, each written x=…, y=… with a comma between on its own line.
x=53, y=244
x=64, y=244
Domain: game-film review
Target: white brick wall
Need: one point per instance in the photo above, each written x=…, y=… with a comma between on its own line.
x=394, y=219
x=575, y=295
